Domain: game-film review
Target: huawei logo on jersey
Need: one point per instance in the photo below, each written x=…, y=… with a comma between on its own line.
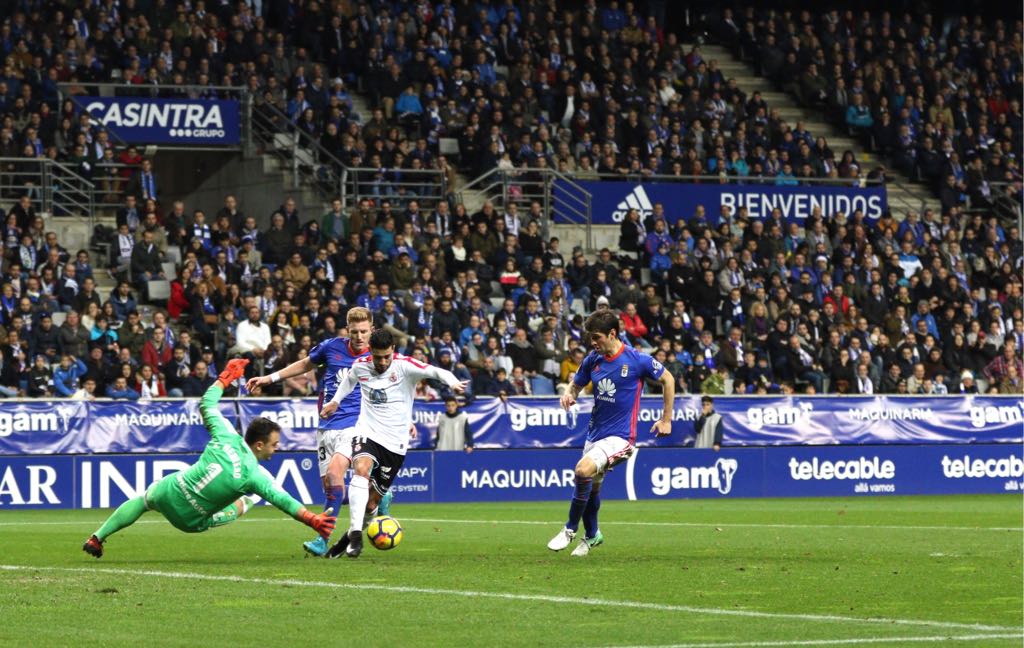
x=606, y=390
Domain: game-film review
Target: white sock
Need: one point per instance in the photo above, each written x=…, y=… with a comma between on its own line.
x=358, y=496
x=369, y=516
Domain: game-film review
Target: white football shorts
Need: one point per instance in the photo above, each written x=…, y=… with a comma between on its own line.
x=607, y=452
x=332, y=442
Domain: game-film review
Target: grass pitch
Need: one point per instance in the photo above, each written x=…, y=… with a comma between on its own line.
x=882, y=571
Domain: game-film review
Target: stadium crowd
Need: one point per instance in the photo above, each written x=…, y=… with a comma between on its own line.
x=840, y=305
x=929, y=304
x=941, y=98
x=599, y=90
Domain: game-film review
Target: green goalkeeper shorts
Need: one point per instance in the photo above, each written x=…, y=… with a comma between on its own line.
x=168, y=496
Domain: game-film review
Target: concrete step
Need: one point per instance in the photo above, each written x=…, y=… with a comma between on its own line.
x=472, y=199
x=569, y=236
x=361, y=106
x=773, y=96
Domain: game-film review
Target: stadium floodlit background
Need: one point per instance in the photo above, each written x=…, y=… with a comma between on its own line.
x=810, y=211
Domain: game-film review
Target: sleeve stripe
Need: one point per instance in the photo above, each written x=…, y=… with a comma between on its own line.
x=414, y=363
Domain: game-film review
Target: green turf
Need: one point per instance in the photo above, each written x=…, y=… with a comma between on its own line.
x=934, y=561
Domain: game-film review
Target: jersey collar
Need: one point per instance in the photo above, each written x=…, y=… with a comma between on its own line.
x=622, y=348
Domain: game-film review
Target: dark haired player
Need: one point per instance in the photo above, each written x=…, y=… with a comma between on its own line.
x=387, y=382
x=211, y=492
x=618, y=373
x=333, y=435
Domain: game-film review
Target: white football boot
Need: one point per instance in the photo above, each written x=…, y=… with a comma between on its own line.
x=562, y=540
x=586, y=543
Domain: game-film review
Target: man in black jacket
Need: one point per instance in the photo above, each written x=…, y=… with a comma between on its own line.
x=200, y=380
x=44, y=339
x=73, y=338
x=129, y=214
x=485, y=382
x=446, y=320
x=803, y=362
x=146, y=261
x=876, y=306
x=522, y=353
x=176, y=373
x=681, y=276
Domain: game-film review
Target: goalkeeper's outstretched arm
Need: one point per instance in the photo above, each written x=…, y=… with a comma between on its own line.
x=322, y=523
x=214, y=421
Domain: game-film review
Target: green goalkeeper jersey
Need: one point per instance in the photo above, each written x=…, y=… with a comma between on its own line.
x=227, y=469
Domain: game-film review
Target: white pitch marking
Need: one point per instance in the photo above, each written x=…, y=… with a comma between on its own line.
x=738, y=525
x=743, y=525
x=508, y=596
x=835, y=642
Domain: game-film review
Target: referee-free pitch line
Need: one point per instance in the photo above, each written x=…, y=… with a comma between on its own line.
x=836, y=642
x=510, y=596
x=724, y=525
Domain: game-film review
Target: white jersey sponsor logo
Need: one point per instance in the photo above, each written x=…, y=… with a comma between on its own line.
x=606, y=390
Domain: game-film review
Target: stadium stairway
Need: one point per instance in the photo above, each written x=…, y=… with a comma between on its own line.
x=902, y=194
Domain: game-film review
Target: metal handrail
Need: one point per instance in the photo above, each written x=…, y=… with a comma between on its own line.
x=1005, y=206
x=733, y=179
x=433, y=186
x=303, y=153
x=109, y=89
x=54, y=187
x=81, y=197
x=575, y=207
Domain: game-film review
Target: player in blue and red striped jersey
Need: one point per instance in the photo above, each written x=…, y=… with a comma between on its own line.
x=334, y=435
x=617, y=373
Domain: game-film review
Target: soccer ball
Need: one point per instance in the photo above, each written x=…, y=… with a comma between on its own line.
x=384, y=532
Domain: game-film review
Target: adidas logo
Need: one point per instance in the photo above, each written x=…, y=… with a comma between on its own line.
x=638, y=200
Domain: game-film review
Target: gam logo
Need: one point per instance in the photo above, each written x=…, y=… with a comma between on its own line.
x=52, y=421
x=523, y=417
x=781, y=416
x=719, y=476
x=996, y=415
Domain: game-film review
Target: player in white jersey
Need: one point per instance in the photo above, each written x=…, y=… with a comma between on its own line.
x=387, y=382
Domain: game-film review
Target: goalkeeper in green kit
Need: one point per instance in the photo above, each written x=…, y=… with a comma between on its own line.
x=212, y=492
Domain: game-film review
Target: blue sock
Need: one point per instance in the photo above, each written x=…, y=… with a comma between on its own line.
x=590, y=514
x=579, y=502
x=333, y=497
